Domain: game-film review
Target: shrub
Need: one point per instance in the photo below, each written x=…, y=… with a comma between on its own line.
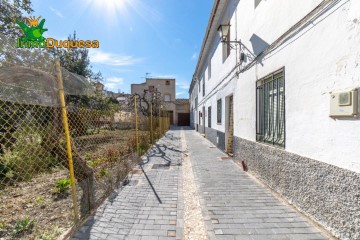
x=26, y=158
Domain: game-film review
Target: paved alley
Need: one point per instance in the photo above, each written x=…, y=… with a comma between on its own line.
x=233, y=205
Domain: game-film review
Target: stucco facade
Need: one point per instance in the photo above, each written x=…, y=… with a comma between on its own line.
x=315, y=46
x=168, y=93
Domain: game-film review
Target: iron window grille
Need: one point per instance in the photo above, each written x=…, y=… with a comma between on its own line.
x=209, y=117
x=270, y=109
x=219, y=111
x=203, y=90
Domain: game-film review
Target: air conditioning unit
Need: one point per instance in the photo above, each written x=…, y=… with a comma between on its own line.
x=344, y=104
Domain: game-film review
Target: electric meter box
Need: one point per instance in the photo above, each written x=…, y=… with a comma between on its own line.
x=344, y=104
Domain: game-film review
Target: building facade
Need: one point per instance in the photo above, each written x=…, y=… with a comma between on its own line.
x=280, y=91
x=177, y=108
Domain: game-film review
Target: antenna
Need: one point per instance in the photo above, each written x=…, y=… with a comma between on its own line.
x=146, y=75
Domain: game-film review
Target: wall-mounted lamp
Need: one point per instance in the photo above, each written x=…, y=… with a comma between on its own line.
x=224, y=31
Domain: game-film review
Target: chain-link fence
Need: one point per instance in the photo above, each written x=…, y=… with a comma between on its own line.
x=58, y=163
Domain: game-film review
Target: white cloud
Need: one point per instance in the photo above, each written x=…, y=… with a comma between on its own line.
x=183, y=85
x=98, y=56
x=166, y=76
x=179, y=93
x=113, y=83
x=115, y=80
x=180, y=82
x=57, y=12
x=194, y=56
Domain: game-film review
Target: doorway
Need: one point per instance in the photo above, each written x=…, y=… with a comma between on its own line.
x=229, y=124
x=171, y=115
x=203, y=119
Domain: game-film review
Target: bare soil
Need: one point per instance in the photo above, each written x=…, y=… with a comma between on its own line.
x=36, y=199
x=51, y=213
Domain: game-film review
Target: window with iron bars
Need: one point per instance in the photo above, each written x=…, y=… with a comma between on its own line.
x=219, y=111
x=209, y=117
x=203, y=90
x=270, y=109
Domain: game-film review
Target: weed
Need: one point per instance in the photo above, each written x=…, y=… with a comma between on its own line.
x=23, y=226
x=62, y=186
x=39, y=200
x=3, y=225
x=103, y=172
x=51, y=234
x=97, y=162
x=112, y=154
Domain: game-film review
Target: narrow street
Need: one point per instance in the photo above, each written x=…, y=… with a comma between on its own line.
x=214, y=200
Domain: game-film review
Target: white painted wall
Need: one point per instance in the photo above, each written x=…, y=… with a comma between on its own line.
x=323, y=58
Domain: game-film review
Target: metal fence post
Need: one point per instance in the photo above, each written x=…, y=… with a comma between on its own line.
x=67, y=136
x=151, y=124
x=160, y=122
x=136, y=126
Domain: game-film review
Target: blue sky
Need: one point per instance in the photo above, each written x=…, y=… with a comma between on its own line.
x=161, y=37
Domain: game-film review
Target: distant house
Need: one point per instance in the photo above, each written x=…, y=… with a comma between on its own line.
x=278, y=88
x=178, y=109
x=99, y=87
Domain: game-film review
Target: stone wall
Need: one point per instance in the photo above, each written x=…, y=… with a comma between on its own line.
x=212, y=135
x=328, y=194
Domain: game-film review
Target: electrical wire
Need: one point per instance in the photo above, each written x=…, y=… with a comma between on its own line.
x=300, y=25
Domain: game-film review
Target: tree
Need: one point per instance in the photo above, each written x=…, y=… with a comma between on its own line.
x=96, y=77
x=10, y=11
x=75, y=60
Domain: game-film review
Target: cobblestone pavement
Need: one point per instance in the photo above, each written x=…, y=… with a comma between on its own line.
x=142, y=210
x=234, y=206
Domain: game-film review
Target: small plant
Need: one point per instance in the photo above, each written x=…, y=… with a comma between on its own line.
x=97, y=162
x=39, y=200
x=23, y=226
x=103, y=172
x=3, y=225
x=112, y=155
x=62, y=186
x=51, y=234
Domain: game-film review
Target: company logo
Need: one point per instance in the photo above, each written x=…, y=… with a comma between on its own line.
x=33, y=38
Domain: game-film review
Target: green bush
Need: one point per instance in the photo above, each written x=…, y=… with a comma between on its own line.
x=62, y=186
x=26, y=158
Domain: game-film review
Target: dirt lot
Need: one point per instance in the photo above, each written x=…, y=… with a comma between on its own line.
x=33, y=209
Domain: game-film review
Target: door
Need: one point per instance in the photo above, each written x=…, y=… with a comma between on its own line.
x=171, y=115
x=183, y=119
x=203, y=119
x=229, y=125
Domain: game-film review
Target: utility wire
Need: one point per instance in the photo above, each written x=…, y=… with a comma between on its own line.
x=300, y=25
